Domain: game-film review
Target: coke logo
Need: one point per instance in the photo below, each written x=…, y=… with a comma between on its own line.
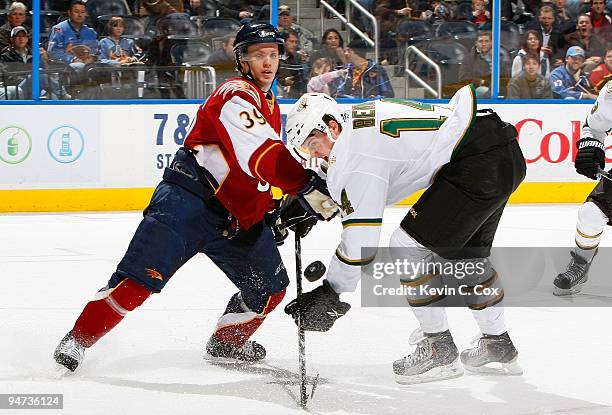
x=554, y=147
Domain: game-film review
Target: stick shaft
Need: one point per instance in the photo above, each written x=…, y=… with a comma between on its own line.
x=301, y=336
x=604, y=174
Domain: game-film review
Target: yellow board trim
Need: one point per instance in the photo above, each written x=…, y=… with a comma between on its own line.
x=538, y=192
x=69, y=200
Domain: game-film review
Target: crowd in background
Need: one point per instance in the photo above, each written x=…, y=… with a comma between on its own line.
x=548, y=49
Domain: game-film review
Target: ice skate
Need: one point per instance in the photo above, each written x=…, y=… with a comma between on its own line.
x=495, y=355
x=577, y=273
x=435, y=358
x=69, y=353
x=221, y=352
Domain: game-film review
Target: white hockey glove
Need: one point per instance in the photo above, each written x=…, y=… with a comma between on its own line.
x=315, y=198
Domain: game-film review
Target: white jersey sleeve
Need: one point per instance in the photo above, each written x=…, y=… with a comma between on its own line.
x=363, y=204
x=242, y=119
x=599, y=121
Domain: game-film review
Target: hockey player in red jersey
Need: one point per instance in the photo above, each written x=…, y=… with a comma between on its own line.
x=214, y=198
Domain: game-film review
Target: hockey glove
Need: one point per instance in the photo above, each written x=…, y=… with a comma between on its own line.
x=591, y=155
x=319, y=308
x=315, y=199
x=290, y=214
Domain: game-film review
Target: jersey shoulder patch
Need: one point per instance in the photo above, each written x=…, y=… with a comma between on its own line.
x=235, y=86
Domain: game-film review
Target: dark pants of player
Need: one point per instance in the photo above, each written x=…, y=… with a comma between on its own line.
x=458, y=215
x=177, y=225
x=601, y=195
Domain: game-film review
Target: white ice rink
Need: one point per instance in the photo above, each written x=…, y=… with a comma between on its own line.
x=52, y=264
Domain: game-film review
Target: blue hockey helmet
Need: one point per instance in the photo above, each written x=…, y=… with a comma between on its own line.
x=254, y=33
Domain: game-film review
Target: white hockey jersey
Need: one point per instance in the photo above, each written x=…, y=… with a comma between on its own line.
x=599, y=121
x=387, y=150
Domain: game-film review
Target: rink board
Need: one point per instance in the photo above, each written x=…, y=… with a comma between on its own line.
x=111, y=157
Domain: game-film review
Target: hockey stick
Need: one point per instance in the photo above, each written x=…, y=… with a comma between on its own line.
x=301, y=335
x=601, y=173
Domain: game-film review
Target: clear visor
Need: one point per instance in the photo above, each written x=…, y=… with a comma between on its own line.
x=261, y=57
x=307, y=144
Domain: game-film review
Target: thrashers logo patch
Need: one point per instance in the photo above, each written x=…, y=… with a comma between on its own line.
x=154, y=274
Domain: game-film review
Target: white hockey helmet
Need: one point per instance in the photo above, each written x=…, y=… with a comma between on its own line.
x=307, y=114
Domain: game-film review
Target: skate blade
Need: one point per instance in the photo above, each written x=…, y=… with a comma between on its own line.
x=560, y=292
x=227, y=361
x=512, y=368
x=451, y=371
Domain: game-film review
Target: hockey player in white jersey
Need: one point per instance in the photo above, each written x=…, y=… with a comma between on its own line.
x=596, y=211
x=381, y=152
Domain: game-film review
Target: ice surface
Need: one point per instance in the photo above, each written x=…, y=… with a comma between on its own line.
x=51, y=265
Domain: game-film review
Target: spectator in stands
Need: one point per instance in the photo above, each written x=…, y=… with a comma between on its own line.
x=603, y=73
x=224, y=55
x=365, y=78
x=359, y=19
x=529, y=83
x=322, y=78
x=16, y=64
x=200, y=7
x=114, y=49
x=568, y=81
x=160, y=8
x=18, y=58
x=563, y=21
x=553, y=42
x=223, y=59
x=151, y=11
x=291, y=73
x=598, y=15
x=576, y=7
x=389, y=13
x=476, y=66
x=480, y=15
x=17, y=13
x=332, y=48
x=71, y=41
x=531, y=44
x=588, y=41
x=285, y=24
x=235, y=9
x=437, y=13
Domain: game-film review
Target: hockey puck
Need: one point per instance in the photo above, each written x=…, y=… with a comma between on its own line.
x=314, y=271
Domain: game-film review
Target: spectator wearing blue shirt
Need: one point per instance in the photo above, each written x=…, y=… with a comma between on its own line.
x=365, y=78
x=71, y=41
x=567, y=81
x=115, y=50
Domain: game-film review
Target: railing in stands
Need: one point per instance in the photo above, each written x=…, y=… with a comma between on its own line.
x=410, y=74
x=351, y=26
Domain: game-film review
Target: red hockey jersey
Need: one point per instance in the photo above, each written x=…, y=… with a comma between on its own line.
x=236, y=134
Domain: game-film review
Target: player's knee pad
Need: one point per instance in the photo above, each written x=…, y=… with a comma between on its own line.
x=479, y=283
x=589, y=229
x=123, y=294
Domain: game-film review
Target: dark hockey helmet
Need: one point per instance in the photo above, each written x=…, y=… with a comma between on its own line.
x=253, y=33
